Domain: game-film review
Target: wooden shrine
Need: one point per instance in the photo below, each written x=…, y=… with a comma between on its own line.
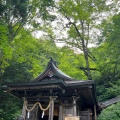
x=53, y=95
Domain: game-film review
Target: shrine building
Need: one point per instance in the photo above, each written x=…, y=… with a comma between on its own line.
x=53, y=95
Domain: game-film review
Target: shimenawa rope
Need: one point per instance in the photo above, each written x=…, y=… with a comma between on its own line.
x=37, y=103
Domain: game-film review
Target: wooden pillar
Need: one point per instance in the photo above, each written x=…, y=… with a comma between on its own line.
x=95, y=113
x=51, y=110
x=60, y=113
x=74, y=106
x=23, y=115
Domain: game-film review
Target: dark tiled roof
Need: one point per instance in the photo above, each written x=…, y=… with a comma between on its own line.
x=51, y=71
x=79, y=82
x=109, y=102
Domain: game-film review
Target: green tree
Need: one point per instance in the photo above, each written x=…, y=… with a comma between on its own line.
x=69, y=62
x=14, y=16
x=81, y=17
x=110, y=113
x=108, y=57
x=28, y=59
x=10, y=107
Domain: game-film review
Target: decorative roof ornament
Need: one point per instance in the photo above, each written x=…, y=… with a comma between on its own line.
x=53, y=61
x=50, y=74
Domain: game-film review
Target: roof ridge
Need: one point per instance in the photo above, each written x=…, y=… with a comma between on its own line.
x=52, y=67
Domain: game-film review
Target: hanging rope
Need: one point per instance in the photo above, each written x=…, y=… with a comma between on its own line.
x=37, y=103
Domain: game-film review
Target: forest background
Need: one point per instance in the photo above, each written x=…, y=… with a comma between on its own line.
x=31, y=32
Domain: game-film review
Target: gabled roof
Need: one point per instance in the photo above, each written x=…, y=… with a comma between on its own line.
x=52, y=71
x=57, y=81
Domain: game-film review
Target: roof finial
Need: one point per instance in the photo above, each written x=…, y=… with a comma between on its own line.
x=53, y=61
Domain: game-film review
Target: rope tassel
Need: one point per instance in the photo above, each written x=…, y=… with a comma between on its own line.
x=43, y=114
x=28, y=114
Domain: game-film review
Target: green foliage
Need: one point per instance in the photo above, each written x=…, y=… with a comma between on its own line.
x=13, y=9
x=107, y=75
x=17, y=73
x=10, y=107
x=69, y=63
x=110, y=113
x=23, y=57
x=105, y=92
x=29, y=56
x=5, y=49
x=108, y=57
x=81, y=17
x=82, y=10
